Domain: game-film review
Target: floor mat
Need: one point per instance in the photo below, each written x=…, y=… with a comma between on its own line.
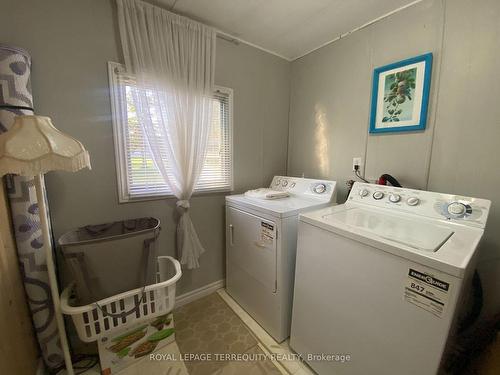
x=208, y=327
x=259, y=366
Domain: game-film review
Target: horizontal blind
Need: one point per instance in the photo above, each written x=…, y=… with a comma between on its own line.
x=216, y=173
x=143, y=177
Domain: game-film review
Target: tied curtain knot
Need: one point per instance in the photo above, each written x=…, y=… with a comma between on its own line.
x=183, y=204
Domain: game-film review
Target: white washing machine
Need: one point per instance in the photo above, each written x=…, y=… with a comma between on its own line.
x=261, y=240
x=379, y=279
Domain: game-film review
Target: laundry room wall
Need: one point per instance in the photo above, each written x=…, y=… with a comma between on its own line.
x=71, y=43
x=465, y=153
x=330, y=101
x=458, y=151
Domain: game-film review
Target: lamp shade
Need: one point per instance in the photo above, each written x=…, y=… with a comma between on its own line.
x=34, y=146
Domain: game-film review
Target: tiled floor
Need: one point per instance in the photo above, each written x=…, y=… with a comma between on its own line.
x=209, y=326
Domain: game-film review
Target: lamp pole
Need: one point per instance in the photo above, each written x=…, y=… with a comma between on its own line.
x=47, y=245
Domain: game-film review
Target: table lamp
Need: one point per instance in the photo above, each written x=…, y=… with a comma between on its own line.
x=32, y=147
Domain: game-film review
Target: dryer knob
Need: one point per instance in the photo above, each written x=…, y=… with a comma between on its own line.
x=412, y=201
x=378, y=195
x=394, y=198
x=363, y=193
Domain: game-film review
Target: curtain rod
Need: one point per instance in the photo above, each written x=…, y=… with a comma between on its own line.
x=227, y=37
x=220, y=34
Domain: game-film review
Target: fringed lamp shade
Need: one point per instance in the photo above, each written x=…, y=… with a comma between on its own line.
x=34, y=146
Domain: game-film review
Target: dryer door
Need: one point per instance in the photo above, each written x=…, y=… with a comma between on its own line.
x=251, y=249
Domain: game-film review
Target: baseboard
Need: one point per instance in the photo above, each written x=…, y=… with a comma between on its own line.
x=199, y=293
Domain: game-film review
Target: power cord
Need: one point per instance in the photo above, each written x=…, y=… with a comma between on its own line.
x=81, y=363
x=91, y=361
x=358, y=175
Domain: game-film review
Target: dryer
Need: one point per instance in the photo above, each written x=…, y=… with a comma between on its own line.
x=379, y=279
x=261, y=239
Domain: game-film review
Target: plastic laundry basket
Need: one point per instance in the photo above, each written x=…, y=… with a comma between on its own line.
x=99, y=318
x=109, y=259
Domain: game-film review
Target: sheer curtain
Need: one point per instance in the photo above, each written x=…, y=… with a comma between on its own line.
x=173, y=59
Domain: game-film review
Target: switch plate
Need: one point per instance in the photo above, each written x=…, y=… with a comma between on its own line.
x=357, y=161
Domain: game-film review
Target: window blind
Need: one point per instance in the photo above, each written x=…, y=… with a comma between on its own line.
x=217, y=170
x=140, y=178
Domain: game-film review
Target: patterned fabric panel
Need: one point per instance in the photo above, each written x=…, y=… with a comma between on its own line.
x=16, y=99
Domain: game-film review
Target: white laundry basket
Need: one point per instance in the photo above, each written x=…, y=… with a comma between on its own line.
x=99, y=318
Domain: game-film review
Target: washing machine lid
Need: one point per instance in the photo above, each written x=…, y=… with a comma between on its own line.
x=416, y=234
x=280, y=208
x=447, y=247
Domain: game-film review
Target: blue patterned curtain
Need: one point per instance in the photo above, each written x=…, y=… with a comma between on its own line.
x=16, y=99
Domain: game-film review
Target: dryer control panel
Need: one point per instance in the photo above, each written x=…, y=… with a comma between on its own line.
x=318, y=189
x=457, y=208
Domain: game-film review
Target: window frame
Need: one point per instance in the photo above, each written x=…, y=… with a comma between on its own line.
x=117, y=102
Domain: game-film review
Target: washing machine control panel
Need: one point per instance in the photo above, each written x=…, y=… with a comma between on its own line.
x=466, y=210
x=319, y=189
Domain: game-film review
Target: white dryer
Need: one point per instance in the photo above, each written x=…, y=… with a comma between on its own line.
x=261, y=240
x=379, y=279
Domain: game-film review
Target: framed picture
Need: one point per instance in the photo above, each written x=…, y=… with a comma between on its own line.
x=400, y=95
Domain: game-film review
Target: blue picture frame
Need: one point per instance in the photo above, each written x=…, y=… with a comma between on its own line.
x=401, y=86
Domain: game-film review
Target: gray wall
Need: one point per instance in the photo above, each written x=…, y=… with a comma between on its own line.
x=330, y=101
x=457, y=153
x=70, y=43
x=466, y=149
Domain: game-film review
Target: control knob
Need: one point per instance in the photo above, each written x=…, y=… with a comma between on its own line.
x=456, y=209
x=378, y=195
x=412, y=201
x=363, y=193
x=394, y=198
x=320, y=188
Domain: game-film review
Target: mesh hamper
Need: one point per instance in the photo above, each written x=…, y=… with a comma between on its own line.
x=109, y=259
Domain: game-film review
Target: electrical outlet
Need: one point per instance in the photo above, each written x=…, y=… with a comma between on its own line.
x=357, y=162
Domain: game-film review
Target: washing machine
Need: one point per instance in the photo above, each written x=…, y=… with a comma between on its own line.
x=261, y=240
x=379, y=279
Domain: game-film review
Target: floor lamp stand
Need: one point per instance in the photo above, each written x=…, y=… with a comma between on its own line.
x=47, y=244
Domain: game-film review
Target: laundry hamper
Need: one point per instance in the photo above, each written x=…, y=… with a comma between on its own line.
x=97, y=319
x=108, y=259
x=118, y=279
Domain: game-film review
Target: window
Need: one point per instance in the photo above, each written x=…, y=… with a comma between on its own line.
x=138, y=177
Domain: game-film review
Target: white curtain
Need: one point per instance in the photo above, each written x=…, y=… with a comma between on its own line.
x=173, y=59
